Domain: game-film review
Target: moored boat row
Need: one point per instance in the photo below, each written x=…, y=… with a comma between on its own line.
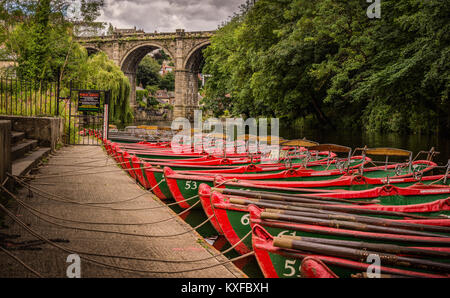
x=311, y=213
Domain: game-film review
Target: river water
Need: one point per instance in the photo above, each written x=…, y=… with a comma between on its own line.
x=414, y=143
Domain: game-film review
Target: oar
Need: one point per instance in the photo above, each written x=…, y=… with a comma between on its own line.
x=359, y=255
x=381, y=247
x=300, y=200
x=294, y=206
x=385, y=272
x=429, y=241
x=287, y=197
x=339, y=224
x=364, y=219
x=287, y=207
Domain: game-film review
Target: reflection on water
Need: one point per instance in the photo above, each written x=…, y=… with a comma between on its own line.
x=414, y=143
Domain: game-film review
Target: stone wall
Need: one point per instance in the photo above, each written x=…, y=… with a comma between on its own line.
x=5, y=149
x=47, y=130
x=145, y=116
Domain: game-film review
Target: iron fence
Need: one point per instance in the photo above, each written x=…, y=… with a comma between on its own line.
x=28, y=98
x=83, y=126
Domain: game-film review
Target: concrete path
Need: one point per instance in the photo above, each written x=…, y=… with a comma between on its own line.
x=111, y=185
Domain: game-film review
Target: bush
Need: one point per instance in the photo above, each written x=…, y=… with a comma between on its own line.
x=141, y=95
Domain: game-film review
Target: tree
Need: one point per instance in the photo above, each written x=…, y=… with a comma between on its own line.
x=100, y=72
x=148, y=72
x=110, y=30
x=160, y=56
x=33, y=60
x=152, y=89
x=39, y=34
x=326, y=60
x=168, y=82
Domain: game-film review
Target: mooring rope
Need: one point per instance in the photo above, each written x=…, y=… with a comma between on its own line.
x=133, y=258
x=93, y=204
x=80, y=164
x=35, y=234
x=78, y=172
x=438, y=180
x=107, y=231
x=168, y=261
x=21, y=262
x=28, y=207
x=83, y=168
x=66, y=200
x=85, y=156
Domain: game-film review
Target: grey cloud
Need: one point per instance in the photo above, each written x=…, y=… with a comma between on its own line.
x=165, y=16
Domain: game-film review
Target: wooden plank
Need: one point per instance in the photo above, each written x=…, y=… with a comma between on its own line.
x=247, y=137
x=300, y=143
x=332, y=148
x=388, y=152
x=270, y=139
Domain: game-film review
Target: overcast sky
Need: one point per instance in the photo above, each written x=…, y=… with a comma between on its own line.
x=168, y=15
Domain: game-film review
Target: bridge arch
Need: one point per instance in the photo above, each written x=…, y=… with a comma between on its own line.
x=128, y=47
x=91, y=50
x=131, y=59
x=195, y=56
x=133, y=56
x=187, y=81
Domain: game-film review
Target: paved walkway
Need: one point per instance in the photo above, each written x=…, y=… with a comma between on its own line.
x=104, y=187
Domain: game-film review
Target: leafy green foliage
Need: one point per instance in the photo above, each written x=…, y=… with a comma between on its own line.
x=104, y=74
x=161, y=56
x=39, y=35
x=141, y=94
x=152, y=89
x=167, y=82
x=148, y=72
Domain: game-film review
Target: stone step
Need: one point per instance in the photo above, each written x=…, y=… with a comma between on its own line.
x=23, y=165
x=20, y=149
x=17, y=136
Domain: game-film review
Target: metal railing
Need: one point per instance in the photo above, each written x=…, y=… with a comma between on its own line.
x=28, y=98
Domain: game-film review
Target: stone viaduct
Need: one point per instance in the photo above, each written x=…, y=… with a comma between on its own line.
x=128, y=47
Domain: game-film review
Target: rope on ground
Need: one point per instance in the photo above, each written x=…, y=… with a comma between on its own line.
x=167, y=261
x=35, y=234
x=62, y=199
x=78, y=164
x=28, y=207
x=21, y=263
x=83, y=168
x=107, y=231
x=77, y=171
